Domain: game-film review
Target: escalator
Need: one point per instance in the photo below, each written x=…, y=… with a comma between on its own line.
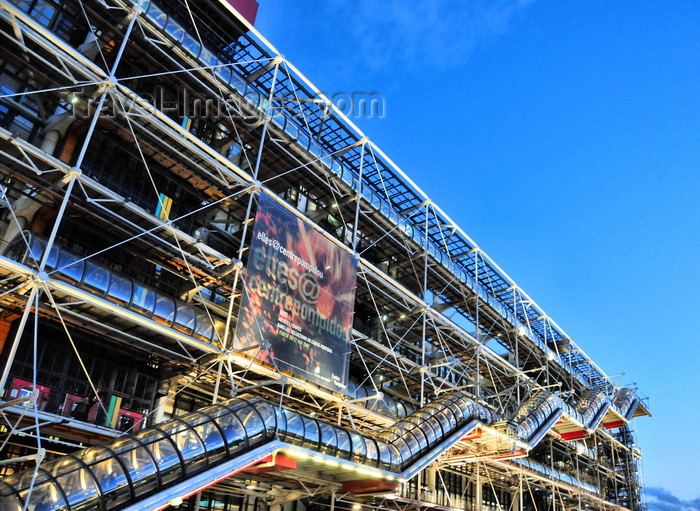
x=179, y=457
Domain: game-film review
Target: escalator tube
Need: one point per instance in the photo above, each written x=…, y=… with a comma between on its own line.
x=103, y=282
x=592, y=407
x=536, y=417
x=221, y=439
x=626, y=402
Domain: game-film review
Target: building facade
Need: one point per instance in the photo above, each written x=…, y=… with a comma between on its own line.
x=218, y=293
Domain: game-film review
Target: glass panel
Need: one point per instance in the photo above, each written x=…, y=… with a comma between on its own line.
x=174, y=29
x=329, y=439
x=111, y=478
x=448, y=420
x=96, y=278
x=252, y=97
x=359, y=449
x=35, y=252
x=434, y=434
x=344, y=444
x=76, y=482
x=164, y=454
x=268, y=415
x=184, y=318
x=138, y=462
x=372, y=452
x=10, y=503
x=234, y=434
x=191, y=45
x=223, y=73
x=208, y=58
x=164, y=312
x=314, y=149
x=52, y=260
x=119, y=289
x=395, y=457
x=238, y=83
x=311, y=434
x=421, y=438
x=70, y=267
x=252, y=423
x=384, y=455
x=291, y=129
x=411, y=444
x=278, y=119
x=213, y=441
x=303, y=139
x=326, y=160
x=281, y=421
x=46, y=495
x=204, y=329
x=157, y=15
x=191, y=448
x=295, y=428
x=143, y=300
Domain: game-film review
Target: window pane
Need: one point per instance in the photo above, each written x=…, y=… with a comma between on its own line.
x=119, y=289
x=143, y=300
x=164, y=312
x=70, y=267
x=96, y=278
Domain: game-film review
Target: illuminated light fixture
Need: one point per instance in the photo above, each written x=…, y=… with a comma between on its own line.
x=73, y=99
x=356, y=506
x=251, y=485
x=318, y=459
x=347, y=467
x=331, y=463
x=391, y=496
x=176, y=501
x=390, y=478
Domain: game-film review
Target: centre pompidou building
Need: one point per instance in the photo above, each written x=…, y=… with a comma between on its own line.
x=218, y=294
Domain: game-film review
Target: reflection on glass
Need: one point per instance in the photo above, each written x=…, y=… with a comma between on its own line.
x=119, y=289
x=329, y=439
x=359, y=449
x=184, y=318
x=70, y=267
x=164, y=312
x=311, y=434
x=139, y=463
x=96, y=278
x=143, y=300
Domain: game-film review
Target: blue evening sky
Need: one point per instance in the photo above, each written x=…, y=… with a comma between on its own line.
x=564, y=138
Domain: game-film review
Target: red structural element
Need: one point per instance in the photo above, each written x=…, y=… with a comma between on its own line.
x=369, y=486
x=247, y=8
x=613, y=425
x=515, y=454
x=273, y=463
x=475, y=434
x=574, y=435
x=22, y=388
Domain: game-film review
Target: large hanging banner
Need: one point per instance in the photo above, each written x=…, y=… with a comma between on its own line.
x=298, y=298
